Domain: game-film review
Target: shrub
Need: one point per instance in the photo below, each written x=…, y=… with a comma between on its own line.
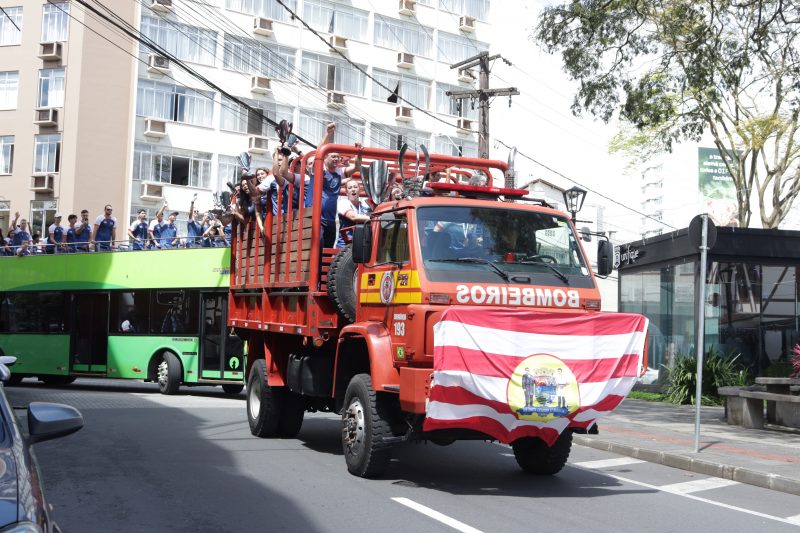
x=718, y=371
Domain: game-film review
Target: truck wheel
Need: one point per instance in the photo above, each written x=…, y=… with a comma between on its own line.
x=535, y=457
x=169, y=373
x=364, y=428
x=232, y=388
x=342, y=283
x=263, y=402
x=291, y=416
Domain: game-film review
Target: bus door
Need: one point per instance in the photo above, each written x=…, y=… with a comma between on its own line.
x=221, y=353
x=89, y=344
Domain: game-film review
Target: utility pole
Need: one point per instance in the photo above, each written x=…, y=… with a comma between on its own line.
x=482, y=93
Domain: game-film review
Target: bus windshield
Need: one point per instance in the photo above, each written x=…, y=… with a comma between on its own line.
x=491, y=245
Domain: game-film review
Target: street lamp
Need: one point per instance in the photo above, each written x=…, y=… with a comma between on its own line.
x=573, y=199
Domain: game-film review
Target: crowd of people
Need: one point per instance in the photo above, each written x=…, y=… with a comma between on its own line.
x=81, y=236
x=256, y=194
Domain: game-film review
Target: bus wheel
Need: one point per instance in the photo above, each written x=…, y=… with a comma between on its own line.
x=263, y=402
x=233, y=388
x=169, y=373
x=364, y=428
x=291, y=416
x=536, y=457
x=15, y=379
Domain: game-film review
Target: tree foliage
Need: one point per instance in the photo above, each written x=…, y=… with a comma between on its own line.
x=677, y=69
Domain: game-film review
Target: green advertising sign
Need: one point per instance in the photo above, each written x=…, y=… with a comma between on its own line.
x=717, y=190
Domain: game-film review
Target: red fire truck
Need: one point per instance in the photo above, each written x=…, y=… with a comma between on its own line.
x=350, y=330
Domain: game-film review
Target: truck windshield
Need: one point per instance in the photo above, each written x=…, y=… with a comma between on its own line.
x=491, y=245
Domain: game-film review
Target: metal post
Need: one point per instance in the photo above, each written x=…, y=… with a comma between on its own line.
x=701, y=330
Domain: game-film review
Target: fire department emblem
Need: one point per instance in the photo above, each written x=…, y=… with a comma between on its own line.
x=542, y=388
x=387, y=288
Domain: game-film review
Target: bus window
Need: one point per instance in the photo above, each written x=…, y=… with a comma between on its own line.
x=33, y=312
x=130, y=312
x=175, y=312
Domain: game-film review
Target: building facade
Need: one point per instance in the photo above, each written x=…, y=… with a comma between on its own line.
x=66, y=101
x=139, y=127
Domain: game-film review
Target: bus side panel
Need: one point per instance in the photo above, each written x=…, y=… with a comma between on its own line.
x=37, y=353
x=128, y=355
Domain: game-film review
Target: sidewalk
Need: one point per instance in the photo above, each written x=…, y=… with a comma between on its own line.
x=664, y=434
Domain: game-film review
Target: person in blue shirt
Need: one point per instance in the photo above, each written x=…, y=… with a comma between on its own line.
x=105, y=231
x=55, y=237
x=71, y=238
x=137, y=233
x=194, y=229
x=22, y=239
x=83, y=233
x=154, y=232
x=334, y=175
x=169, y=232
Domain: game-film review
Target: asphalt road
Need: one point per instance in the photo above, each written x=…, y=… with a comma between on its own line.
x=146, y=462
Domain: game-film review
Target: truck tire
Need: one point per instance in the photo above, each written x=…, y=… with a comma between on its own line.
x=169, y=373
x=263, y=402
x=291, y=416
x=536, y=457
x=365, y=427
x=342, y=283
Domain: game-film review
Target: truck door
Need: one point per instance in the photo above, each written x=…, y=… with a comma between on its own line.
x=89, y=343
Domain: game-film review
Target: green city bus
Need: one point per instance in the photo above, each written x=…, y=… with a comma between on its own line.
x=157, y=316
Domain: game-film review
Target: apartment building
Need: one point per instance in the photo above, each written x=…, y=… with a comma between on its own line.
x=137, y=127
x=66, y=100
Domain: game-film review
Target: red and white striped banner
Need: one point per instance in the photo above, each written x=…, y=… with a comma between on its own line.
x=518, y=373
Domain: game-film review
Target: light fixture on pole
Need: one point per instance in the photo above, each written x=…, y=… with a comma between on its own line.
x=573, y=199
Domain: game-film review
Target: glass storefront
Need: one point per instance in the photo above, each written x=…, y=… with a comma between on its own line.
x=751, y=311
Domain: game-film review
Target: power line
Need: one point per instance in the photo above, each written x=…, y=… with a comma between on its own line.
x=10, y=19
x=556, y=172
x=357, y=67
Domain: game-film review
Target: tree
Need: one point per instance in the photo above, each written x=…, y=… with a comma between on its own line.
x=674, y=70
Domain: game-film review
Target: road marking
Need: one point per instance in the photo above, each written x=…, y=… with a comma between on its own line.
x=704, y=500
x=606, y=463
x=436, y=515
x=794, y=519
x=697, y=485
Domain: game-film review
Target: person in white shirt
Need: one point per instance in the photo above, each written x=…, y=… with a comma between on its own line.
x=351, y=210
x=55, y=236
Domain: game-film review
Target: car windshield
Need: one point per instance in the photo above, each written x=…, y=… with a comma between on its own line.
x=496, y=245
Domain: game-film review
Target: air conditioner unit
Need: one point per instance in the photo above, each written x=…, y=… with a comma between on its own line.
x=403, y=114
x=154, y=127
x=50, y=51
x=335, y=100
x=46, y=116
x=152, y=191
x=338, y=42
x=466, y=23
x=407, y=7
x=258, y=145
x=162, y=6
x=260, y=85
x=464, y=125
x=466, y=76
x=405, y=60
x=42, y=182
x=262, y=26
x=157, y=64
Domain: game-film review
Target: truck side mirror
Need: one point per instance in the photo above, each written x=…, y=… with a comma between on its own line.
x=605, y=257
x=362, y=242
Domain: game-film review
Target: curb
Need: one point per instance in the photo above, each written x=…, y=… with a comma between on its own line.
x=700, y=466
